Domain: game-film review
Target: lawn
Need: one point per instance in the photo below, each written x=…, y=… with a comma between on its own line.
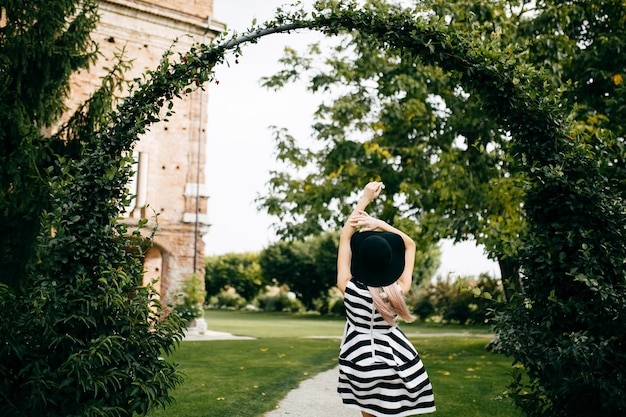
x=247, y=378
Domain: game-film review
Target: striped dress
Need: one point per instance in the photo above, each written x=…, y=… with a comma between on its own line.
x=380, y=372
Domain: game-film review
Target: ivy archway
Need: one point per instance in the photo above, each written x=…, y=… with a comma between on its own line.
x=567, y=328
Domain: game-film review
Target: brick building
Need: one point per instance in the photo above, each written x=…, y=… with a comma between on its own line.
x=170, y=157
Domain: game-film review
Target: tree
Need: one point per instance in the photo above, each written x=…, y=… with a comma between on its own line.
x=40, y=49
x=579, y=44
x=445, y=165
x=295, y=264
x=241, y=272
x=428, y=127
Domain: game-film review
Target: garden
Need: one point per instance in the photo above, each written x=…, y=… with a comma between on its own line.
x=495, y=122
x=248, y=378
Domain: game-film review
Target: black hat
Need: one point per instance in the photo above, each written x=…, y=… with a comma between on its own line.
x=377, y=257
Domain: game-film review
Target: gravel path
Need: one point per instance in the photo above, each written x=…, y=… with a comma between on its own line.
x=195, y=335
x=314, y=397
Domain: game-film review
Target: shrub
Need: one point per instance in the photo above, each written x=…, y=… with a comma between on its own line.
x=227, y=298
x=280, y=299
x=189, y=304
x=336, y=307
x=567, y=328
x=464, y=301
x=307, y=267
x=331, y=304
x=239, y=271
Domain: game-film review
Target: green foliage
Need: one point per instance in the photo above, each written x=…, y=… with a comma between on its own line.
x=227, y=298
x=463, y=301
x=580, y=46
x=308, y=268
x=279, y=299
x=335, y=305
x=41, y=45
x=397, y=116
x=190, y=305
x=241, y=272
x=567, y=327
x=81, y=335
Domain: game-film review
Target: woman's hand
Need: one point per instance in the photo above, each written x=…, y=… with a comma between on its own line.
x=372, y=190
x=364, y=221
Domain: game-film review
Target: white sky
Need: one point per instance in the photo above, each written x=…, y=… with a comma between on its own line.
x=240, y=148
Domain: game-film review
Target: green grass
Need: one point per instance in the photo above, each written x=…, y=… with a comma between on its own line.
x=302, y=325
x=467, y=380
x=247, y=378
x=270, y=325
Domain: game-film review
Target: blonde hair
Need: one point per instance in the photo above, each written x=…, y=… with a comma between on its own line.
x=390, y=303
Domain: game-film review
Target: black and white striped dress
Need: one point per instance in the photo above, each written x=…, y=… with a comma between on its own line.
x=380, y=372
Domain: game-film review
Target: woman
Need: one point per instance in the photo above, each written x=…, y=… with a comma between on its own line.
x=380, y=372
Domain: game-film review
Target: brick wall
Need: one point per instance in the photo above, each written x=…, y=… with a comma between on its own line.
x=172, y=155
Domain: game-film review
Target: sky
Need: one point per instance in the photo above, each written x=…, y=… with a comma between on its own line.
x=240, y=147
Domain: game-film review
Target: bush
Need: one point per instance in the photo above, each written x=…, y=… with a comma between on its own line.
x=567, y=328
x=331, y=304
x=336, y=307
x=239, y=271
x=307, y=267
x=280, y=299
x=227, y=298
x=464, y=301
x=189, y=305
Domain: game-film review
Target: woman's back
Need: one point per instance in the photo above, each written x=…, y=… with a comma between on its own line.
x=380, y=371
